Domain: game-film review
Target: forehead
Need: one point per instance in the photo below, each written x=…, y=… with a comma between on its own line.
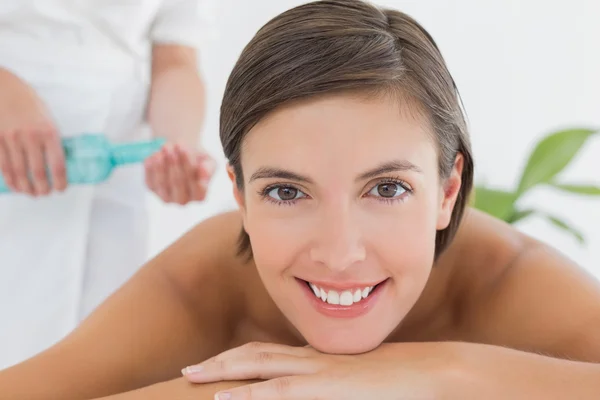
x=342, y=131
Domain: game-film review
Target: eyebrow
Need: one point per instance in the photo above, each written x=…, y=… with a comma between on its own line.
x=268, y=172
x=387, y=167
x=390, y=166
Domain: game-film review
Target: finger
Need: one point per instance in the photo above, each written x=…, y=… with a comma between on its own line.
x=177, y=184
x=254, y=366
x=201, y=190
x=201, y=183
x=206, y=166
x=16, y=155
x=159, y=176
x=190, y=175
x=260, y=347
x=149, y=167
x=55, y=159
x=305, y=387
x=36, y=165
x=6, y=166
x=152, y=166
x=249, y=350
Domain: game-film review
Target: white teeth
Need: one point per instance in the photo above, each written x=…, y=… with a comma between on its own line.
x=365, y=292
x=333, y=297
x=315, y=290
x=345, y=298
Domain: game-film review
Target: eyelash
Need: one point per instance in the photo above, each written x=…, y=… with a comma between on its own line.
x=264, y=193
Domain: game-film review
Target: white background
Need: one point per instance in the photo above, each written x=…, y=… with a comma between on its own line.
x=523, y=67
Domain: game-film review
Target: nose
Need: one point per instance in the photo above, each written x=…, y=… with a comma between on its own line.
x=338, y=245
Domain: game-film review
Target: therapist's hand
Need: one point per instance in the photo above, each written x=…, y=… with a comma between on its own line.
x=178, y=174
x=29, y=141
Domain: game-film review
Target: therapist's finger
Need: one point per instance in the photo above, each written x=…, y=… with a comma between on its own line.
x=5, y=165
x=55, y=159
x=194, y=187
x=16, y=155
x=34, y=155
x=159, y=176
x=150, y=166
x=177, y=181
x=207, y=166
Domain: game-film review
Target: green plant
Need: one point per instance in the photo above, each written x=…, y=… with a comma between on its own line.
x=550, y=156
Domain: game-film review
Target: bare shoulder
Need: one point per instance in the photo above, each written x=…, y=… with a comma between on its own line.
x=204, y=248
x=221, y=285
x=523, y=294
x=203, y=265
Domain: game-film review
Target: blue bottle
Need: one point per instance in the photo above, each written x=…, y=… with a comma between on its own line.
x=91, y=158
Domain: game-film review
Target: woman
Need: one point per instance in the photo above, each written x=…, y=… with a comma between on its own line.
x=356, y=274
x=73, y=67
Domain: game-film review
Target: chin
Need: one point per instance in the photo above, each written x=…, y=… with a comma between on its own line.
x=349, y=344
x=346, y=348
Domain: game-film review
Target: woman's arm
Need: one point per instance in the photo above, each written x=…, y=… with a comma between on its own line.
x=539, y=320
x=548, y=309
x=156, y=324
x=177, y=389
x=499, y=373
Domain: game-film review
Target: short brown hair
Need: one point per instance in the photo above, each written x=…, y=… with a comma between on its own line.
x=332, y=46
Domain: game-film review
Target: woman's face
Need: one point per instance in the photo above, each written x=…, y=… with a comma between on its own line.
x=342, y=202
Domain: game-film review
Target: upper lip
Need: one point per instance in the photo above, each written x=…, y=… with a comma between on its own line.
x=343, y=285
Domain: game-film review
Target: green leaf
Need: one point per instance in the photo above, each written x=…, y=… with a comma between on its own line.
x=498, y=203
x=564, y=226
x=588, y=190
x=551, y=155
x=519, y=215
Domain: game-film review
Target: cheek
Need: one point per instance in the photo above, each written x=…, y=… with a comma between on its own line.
x=405, y=243
x=275, y=237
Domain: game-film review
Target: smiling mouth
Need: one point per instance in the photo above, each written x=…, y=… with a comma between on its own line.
x=346, y=297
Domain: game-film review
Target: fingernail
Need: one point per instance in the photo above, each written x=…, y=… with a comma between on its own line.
x=192, y=369
x=223, y=396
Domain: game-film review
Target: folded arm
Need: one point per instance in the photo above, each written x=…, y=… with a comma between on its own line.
x=548, y=311
x=156, y=324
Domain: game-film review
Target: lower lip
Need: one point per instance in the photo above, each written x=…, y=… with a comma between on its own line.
x=339, y=311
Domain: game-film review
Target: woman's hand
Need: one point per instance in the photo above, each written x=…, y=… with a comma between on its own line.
x=179, y=175
x=29, y=142
x=392, y=371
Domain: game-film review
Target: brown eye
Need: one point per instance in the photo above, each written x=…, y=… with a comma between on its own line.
x=387, y=190
x=285, y=193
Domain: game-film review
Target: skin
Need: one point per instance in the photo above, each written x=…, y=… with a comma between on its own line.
x=179, y=173
x=28, y=140
x=340, y=230
x=492, y=289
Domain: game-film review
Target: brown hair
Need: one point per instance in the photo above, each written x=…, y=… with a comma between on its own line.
x=332, y=46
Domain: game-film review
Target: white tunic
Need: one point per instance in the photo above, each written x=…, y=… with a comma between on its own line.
x=60, y=256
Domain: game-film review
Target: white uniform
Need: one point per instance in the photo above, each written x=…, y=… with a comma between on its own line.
x=88, y=60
